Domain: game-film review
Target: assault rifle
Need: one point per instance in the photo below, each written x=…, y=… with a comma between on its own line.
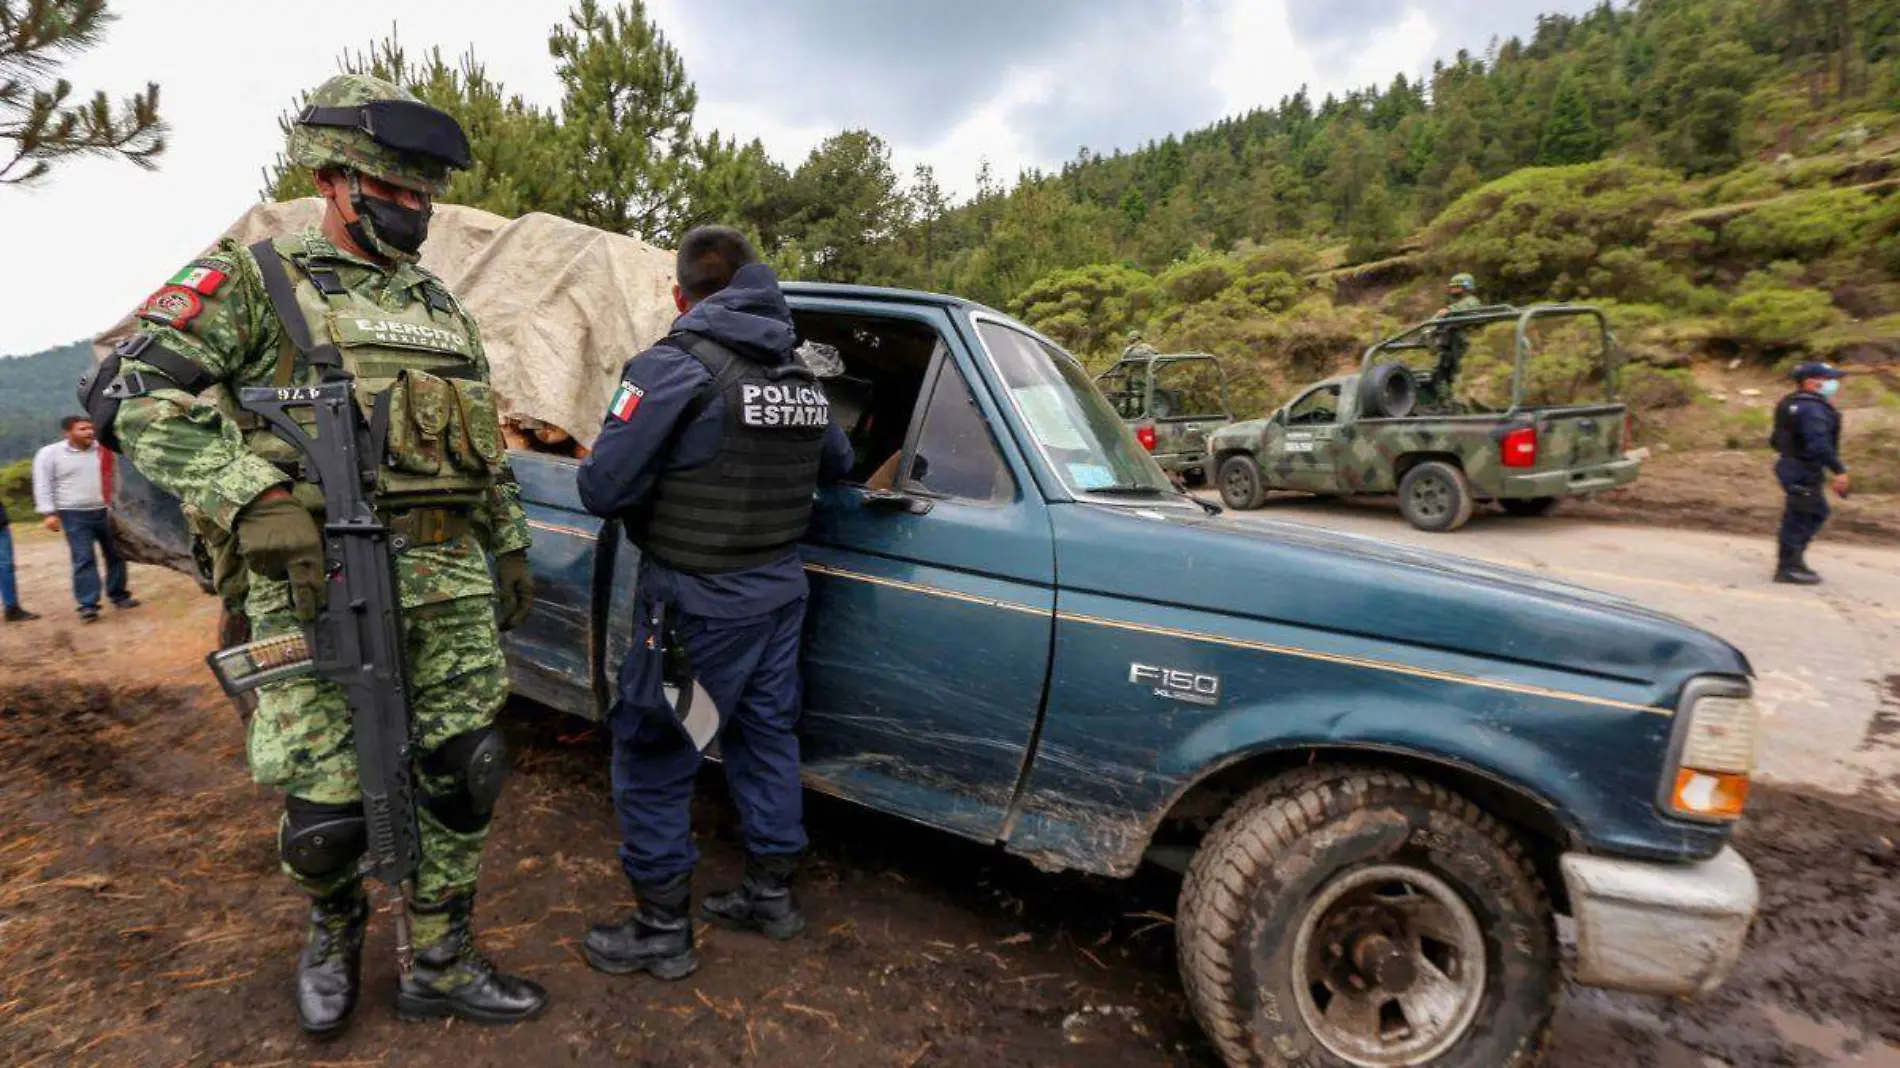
x=356, y=640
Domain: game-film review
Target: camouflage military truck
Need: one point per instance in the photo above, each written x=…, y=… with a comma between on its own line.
x=1496, y=403
x=1172, y=402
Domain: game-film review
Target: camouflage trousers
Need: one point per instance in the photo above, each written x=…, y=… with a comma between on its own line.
x=301, y=739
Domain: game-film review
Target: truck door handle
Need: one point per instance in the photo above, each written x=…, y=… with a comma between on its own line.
x=895, y=501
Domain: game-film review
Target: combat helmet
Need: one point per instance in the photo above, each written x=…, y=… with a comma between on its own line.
x=1463, y=281
x=363, y=123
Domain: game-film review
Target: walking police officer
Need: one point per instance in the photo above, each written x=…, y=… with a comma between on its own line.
x=1807, y=436
x=710, y=453
x=246, y=316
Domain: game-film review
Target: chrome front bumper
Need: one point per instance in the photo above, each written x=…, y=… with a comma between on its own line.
x=1670, y=929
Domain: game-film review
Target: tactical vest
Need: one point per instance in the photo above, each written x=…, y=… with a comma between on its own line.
x=749, y=504
x=433, y=421
x=1784, y=439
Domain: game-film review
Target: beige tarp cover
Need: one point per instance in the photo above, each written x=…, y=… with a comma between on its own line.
x=561, y=306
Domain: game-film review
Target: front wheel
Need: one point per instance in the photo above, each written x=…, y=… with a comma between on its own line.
x=1529, y=507
x=1435, y=497
x=1356, y=918
x=1241, y=487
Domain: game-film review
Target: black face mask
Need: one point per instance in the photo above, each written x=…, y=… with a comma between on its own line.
x=388, y=228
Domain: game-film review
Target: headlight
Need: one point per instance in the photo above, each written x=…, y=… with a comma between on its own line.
x=1715, y=751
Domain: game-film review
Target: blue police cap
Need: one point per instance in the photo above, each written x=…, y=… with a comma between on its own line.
x=1815, y=369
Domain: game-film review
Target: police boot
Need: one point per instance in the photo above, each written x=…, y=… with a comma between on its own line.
x=329, y=973
x=452, y=978
x=1794, y=570
x=656, y=937
x=763, y=902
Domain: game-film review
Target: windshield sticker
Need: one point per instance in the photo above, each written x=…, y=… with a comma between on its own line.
x=1091, y=476
x=1049, y=419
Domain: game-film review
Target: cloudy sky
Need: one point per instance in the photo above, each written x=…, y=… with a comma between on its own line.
x=1020, y=83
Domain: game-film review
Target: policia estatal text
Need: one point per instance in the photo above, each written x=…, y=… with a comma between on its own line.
x=710, y=453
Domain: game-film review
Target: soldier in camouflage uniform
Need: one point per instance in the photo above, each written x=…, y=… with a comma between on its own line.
x=443, y=486
x=1437, y=393
x=1462, y=291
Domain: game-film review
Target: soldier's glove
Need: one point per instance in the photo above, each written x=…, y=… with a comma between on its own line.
x=279, y=540
x=514, y=586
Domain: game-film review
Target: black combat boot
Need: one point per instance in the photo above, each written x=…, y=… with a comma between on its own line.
x=452, y=978
x=763, y=902
x=1793, y=569
x=329, y=974
x=656, y=937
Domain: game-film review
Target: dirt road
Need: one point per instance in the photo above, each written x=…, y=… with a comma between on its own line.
x=142, y=921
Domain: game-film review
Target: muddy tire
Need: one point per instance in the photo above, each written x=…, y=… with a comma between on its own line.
x=1241, y=487
x=1355, y=918
x=1530, y=507
x=1435, y=497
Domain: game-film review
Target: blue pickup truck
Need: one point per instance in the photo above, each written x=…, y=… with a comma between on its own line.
x=1385, y=773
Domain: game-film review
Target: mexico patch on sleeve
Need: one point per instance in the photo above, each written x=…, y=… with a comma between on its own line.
x=173, y=306
x=203, y=277
x=626, y=399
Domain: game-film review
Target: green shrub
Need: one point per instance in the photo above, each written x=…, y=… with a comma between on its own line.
x=1194, y=281
x=1276, y=291
x=1089, y=309
x=1804, y=226
x=1539, y=233
x=1753, y=182
x=16, y=488
x=1772, y=312
x=1292, y=257
x=1647, y=389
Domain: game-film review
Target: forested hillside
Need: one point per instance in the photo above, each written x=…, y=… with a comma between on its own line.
x=35, y=391
x=1718, y=173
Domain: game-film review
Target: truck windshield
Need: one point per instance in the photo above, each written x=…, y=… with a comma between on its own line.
x=1087, y=445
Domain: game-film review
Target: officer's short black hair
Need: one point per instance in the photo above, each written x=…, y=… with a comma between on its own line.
x=71, y=421
x=708, y=258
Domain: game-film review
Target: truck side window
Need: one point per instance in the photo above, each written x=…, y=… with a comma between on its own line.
x=955, y=456
x=1317, y=408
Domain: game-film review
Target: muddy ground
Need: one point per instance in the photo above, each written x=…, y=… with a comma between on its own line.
x=142, y=921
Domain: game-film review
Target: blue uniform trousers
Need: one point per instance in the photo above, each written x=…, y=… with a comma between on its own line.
x=1805, y=511
x=9, y=594
x=749, y=667
x=83, y=530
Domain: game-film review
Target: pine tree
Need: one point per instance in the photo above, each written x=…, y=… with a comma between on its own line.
x=37, y=121
x=627, y=112
x=1570, y=134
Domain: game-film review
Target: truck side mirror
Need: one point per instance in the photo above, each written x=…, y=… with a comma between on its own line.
x=896, y=501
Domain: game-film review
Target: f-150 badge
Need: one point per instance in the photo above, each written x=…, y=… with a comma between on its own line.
x=1176, y=684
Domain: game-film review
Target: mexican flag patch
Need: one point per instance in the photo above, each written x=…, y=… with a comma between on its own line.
x=626, y=399
x=199, y=278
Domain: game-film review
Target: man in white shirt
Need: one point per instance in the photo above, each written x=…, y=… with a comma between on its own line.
x=69, y=490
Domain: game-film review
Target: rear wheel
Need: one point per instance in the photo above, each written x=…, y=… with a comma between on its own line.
x=1241, y=487
x=1195, y=476
x=1367, y=919
x=1435, y=497
x=1530, y=507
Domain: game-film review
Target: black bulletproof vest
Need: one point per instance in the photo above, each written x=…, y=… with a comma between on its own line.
x=1786, y=440
x=748, y=505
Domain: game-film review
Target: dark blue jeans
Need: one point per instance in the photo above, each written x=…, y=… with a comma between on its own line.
x=749, y=667
x=9, y=593
x=83, y=531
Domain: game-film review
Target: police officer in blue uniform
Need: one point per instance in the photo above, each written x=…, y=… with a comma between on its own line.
x=1807, y=436
x=710, y=454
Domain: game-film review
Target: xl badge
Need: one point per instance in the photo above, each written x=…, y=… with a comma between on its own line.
x=1175, y=684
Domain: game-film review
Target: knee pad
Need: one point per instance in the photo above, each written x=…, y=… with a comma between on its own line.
x=319, y=841
x=474, y=762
